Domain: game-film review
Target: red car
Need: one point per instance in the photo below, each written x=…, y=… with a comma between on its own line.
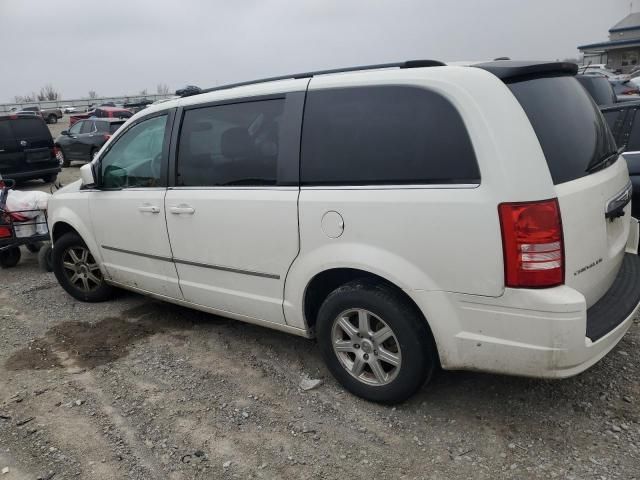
x=102, y=112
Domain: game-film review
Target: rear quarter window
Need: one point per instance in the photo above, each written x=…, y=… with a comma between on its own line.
x=572, y=132
x=384, y=135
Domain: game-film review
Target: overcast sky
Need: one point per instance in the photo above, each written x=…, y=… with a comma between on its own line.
x=118, y=47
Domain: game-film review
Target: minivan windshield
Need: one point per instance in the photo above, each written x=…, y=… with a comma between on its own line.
x=574, y=137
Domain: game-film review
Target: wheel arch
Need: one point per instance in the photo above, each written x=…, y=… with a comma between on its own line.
x=326, y=281
x=63, y=219
x=60, y=228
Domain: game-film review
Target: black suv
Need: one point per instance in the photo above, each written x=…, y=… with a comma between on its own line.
x=83, y=140
x=26, y=149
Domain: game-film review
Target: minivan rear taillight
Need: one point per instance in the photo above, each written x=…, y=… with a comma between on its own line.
x=532, y=244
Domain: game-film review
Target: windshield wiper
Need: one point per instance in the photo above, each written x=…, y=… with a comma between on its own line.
x=604, y=161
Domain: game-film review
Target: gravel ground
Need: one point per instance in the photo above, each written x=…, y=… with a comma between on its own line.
x=134, y=388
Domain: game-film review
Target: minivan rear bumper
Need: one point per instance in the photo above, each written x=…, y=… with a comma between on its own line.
x=536, y=333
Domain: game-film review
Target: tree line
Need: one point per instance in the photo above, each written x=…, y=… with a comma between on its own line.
x=50, y=93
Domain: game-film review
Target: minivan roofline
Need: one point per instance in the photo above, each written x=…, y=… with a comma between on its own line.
x=294, y=76
x=503, y=69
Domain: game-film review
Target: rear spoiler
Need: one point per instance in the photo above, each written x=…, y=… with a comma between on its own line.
x=509, y=70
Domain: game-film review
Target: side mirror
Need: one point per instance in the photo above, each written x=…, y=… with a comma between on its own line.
x=86, y=174
x=64, y=132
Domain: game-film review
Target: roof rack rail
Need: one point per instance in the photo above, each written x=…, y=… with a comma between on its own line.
x=405, y=64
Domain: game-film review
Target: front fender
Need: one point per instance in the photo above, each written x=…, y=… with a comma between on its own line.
x=79, y=219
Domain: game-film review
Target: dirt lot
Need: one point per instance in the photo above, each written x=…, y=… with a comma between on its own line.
x=134, y=388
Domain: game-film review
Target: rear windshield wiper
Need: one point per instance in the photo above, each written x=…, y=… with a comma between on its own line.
x=605, y=160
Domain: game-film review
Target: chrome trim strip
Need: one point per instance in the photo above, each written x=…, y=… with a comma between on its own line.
x=227, y=269
x=195, y=264
x=339, y=187
x=140, y=254
x=268, y=187
x=440, y=186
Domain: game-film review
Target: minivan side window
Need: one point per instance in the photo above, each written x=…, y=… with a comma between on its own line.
x=227, y=145
x=135, y=160
x=384, y=135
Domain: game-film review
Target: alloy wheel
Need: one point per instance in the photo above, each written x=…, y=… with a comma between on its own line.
x=81, y=268
x=366, y=347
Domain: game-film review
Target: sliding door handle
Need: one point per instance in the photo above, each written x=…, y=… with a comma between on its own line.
x=182, y=209
x=148, y=208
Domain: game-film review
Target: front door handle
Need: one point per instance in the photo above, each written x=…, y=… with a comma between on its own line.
x=182, y=208
x=149, y=208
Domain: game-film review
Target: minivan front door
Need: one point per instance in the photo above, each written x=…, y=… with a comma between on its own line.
x=232, y=214
x=127, y=211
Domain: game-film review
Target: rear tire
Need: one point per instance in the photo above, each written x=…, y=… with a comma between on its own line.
x=77, y=271
x=10, y=258
x=45, y=257
x=52, y=119
x=385, y=362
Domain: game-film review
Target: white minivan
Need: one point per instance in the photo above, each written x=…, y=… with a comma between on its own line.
x=409, y=216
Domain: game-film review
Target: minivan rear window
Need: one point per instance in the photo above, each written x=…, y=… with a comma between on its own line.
x=573, y=135
x=30, y=127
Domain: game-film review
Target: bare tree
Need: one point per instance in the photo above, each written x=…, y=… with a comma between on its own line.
x=93, y=94
x=25, y=98
x=143, y=92
x=48, y=93
x=162, y=89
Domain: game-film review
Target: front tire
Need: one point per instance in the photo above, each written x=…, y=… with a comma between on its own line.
x=52, y=119
x=375, y=342
x=77, y=270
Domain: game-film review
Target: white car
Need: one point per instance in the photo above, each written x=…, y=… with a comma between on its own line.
x=408, y=216
x=68, y=109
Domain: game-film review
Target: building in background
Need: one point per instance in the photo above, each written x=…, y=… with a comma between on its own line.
x=622, y=51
